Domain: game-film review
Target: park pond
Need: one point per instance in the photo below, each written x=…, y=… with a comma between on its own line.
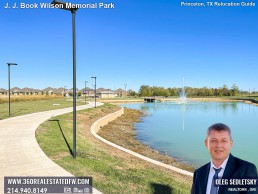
x=179, y=130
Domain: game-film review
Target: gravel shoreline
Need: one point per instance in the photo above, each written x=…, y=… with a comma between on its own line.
x=122, y=132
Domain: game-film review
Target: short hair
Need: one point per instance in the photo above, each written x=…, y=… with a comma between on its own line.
x=219, y=127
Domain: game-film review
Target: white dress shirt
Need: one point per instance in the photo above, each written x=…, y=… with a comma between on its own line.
x=212, y=173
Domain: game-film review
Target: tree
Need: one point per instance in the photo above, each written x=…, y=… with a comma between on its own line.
x=234, y=89
x=172, y=91
x=131, y=93
x=224, y=91
x=145, y=90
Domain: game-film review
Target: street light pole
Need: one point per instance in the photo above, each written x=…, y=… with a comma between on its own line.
x=125, y=91
x=74, y=83
x=64, y=90
x=73, y=10
x=95, y=90
x=85, y=91
x=9, y=86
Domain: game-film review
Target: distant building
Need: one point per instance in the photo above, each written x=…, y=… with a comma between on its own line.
x=3, y=91
x=119, y=92
x=48, y=91
x=36, y=92
x=100, y=92
x=89, y=92
x=106, y=94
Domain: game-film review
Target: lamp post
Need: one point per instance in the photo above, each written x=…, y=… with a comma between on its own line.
x=73, y=9
x=64, y=90
x=125, y=91
x=94, y=89
x=85, y=91
x=9, y=86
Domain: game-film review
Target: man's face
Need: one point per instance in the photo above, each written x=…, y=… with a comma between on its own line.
x=219, y=144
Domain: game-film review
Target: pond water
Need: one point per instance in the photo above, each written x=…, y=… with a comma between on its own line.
x=179, y=130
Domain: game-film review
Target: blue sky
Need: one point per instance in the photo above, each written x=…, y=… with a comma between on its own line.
x=139, y=42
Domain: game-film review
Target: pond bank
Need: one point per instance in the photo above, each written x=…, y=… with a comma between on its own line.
x=122, y=132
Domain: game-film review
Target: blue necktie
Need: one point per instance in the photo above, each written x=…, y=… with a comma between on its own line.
x=214, y=188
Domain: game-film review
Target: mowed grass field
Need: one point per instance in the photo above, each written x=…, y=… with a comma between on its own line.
x=21, y=105
x=113, y=171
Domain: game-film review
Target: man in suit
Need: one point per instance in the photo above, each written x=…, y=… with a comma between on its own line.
x=219, y=142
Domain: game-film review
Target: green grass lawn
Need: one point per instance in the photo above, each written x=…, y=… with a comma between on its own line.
x=113, y=171
x=246, y=97
x=26, y=107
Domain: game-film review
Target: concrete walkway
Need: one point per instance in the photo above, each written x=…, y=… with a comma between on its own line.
x=108, y=118
x=20, y=154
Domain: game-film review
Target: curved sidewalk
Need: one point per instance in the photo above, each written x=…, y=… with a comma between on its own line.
x=108, y=118
x=20, y=154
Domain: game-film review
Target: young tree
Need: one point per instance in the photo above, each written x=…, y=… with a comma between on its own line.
x=234, y=89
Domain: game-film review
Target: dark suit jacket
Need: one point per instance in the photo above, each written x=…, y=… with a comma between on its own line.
x=235, y=168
